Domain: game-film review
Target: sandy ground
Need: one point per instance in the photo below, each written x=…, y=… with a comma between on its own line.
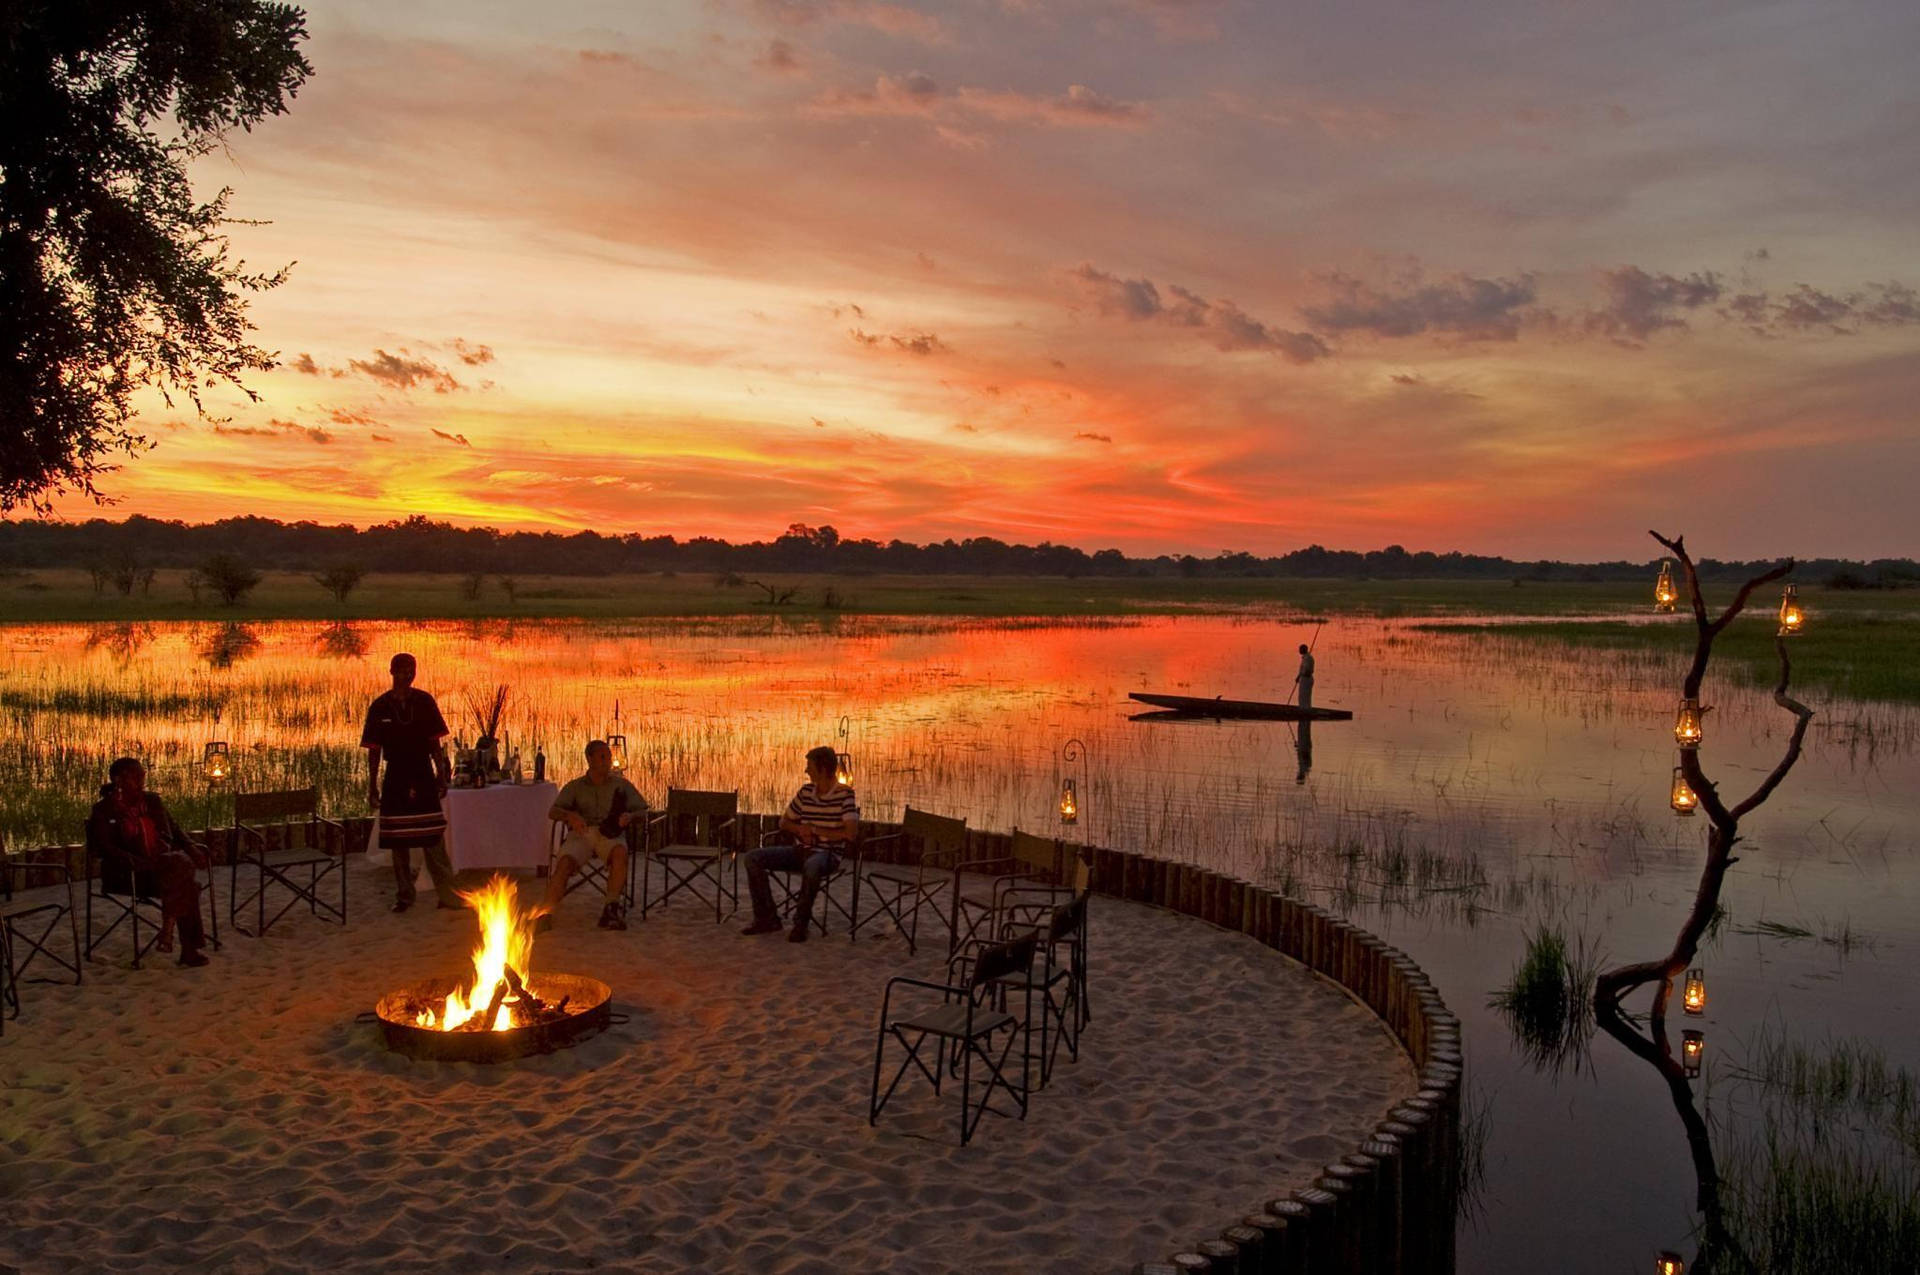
x=236, y=1118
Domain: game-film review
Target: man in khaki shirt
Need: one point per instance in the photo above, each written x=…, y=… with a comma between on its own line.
x=596, y=807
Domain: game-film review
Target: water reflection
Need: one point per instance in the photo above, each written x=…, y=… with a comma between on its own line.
x=122, y=641
x=341, y=640
x=1717, y=1251
x=229, y=644
x=1483, y=784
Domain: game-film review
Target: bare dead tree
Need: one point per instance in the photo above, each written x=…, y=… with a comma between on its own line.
x=1724, y=832
x=775, y=596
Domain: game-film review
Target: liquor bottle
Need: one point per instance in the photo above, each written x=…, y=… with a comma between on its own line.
x=610, y=826
x=539, y=764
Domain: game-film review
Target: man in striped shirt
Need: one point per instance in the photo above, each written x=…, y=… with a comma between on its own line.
x=822, y=820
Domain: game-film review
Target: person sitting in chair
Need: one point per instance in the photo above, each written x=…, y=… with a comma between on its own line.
x=142, y=849
x=822, y=819
x=596, y=807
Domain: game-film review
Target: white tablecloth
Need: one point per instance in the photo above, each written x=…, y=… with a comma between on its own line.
x=504, y=826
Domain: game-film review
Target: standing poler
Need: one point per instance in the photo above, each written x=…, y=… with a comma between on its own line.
x=1303, y=680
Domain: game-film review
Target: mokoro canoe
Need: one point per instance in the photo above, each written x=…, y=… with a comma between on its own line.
x=1217, y=707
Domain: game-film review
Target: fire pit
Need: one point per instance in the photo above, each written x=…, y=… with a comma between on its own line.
x=505, y=1011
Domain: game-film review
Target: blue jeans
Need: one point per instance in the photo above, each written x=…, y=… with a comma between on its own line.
x=812, y=865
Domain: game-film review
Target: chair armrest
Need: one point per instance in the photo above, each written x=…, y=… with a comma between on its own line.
x=977, y=864
x=17, y=865
x=947, y=992
x=885, y=836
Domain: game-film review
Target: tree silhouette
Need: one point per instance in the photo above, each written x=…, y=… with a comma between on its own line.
x=113, y=275
x=340, y=580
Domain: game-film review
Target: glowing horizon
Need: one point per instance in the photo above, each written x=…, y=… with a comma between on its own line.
x=1161, y=276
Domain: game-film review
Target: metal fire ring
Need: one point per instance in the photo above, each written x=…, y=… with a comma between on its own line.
x=589, y=1010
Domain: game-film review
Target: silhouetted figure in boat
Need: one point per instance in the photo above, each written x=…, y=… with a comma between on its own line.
x=1303, y=752
x=1303, y=680
x=405, y=728
x=142, y=850
x=596, y=807
x=821, y=822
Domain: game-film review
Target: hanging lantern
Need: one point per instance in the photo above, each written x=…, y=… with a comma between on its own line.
x=1687, y=730
x=617, y=742
x=1683, y=798
x=217, y=761
x=1069, y=803
x=1669, y=1264
x=1664, y=594
x=1693, y=1051
x=843, y=769
x=1694, y=998
x=1791, y=616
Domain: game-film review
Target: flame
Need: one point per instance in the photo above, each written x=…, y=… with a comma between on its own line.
x=506, y=939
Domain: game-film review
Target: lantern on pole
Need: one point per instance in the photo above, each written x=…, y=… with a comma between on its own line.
x=843, y=756
x=1687, y=725
x=1694, y=998
x=1683, y=798
x=1669, y=1264
x=1693, y=1051
x=1664, y=594
x=217, y=759
x=617, y=742
x=1792, y=618
x=1074, y=750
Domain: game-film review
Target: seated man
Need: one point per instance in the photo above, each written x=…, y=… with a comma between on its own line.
x=142, y=849
x=823, y=818
x=596, y=807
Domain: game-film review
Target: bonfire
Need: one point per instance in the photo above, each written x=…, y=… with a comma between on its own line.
x=496, y=1015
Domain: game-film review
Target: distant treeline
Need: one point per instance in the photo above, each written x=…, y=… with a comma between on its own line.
x=421, y=544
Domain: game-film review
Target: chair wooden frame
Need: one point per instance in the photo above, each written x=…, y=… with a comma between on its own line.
x=901, y=892
x=137, y=895
x=22, y=926
x=247, y=845
x=712, y=848
x=970, y=1013
x=789, y=887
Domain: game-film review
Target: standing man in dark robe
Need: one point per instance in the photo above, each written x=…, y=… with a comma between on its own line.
x=404, y=726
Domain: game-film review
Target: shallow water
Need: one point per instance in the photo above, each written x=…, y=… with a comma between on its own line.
x=1484, y=785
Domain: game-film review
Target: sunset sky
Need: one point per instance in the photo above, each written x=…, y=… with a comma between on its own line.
x=1521, y=276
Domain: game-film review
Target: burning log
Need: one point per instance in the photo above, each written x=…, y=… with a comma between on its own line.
x=485, y=1022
